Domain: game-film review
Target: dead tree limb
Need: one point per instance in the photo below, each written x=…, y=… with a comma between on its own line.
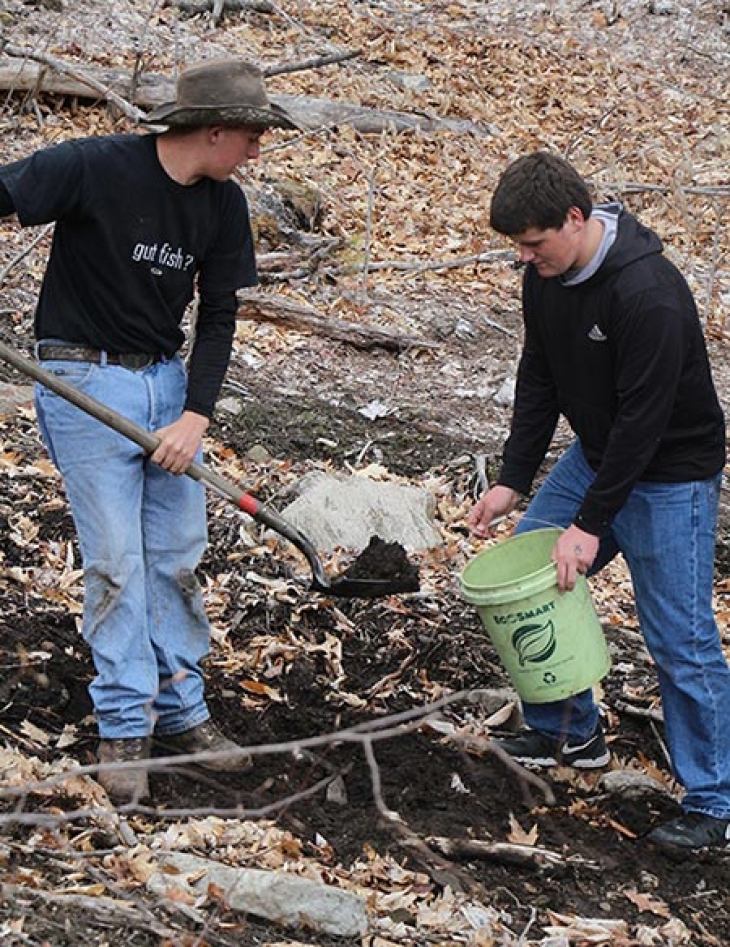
x=81, y=76
x=507, y=853
x=278, y=308
x=317, y=63
x=108, y=910
x=638, y=187
x=423, y=266
x=365, y=734
x=22, y=70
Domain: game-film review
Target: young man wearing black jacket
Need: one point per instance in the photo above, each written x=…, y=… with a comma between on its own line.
x=613, y=343
x=143, y=222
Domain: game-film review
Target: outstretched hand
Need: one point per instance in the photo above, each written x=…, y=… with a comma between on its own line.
x=495, y=503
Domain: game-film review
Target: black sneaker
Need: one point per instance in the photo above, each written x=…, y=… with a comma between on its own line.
x=532, y=748
x=692, y=830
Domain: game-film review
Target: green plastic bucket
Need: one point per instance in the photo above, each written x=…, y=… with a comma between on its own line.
x=551, y=643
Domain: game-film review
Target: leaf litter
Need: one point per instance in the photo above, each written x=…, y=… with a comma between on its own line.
x=647, y=123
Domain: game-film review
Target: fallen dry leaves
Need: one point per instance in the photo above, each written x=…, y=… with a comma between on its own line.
x=647, y=123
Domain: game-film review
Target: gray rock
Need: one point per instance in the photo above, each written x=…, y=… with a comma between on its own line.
x=334, y=511
x=410, y=81
x=278, y=896
x=628, y=783
x=506, y=394
x=258, y=454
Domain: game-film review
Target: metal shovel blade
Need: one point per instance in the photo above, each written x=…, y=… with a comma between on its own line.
x=381, y=569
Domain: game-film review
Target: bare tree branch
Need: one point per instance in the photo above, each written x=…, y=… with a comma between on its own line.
x=366, y=734
x=80, y=75
x=24, y=252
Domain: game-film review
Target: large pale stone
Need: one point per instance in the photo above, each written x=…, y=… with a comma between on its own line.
x=278, y=896
x=335, y=511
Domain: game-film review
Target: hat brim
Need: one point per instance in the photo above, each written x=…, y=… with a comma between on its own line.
x=173, y=115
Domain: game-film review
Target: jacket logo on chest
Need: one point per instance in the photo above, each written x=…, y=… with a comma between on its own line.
x=597, y=334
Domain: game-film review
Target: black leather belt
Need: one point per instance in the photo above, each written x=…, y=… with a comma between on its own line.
x=135, y=361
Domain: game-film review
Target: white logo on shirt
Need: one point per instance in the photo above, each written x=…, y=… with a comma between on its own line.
x=597, y=335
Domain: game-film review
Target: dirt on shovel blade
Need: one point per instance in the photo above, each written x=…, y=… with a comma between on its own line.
x=384, y=562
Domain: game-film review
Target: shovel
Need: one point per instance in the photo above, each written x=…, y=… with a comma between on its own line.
x=354, y=583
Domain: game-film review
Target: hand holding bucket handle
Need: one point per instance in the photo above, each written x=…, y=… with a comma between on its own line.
x=573, y=554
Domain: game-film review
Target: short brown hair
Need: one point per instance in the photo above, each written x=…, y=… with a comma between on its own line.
x=537, y=190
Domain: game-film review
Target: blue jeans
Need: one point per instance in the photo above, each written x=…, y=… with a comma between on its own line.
x=666, y=533
x=142, y=532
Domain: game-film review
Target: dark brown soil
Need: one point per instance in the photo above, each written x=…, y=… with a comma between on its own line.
x=395, y=657
x=380, y=569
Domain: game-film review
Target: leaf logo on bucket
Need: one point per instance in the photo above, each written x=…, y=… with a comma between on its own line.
x=534, y=643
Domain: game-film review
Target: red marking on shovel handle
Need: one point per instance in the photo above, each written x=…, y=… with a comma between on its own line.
x=249, y=504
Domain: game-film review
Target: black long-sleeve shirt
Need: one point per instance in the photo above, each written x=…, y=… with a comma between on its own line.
x=622, y=356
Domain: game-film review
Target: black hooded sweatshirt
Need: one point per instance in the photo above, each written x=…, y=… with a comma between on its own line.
x=622, y=356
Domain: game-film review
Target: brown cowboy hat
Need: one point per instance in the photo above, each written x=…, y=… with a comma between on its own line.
x=221, y=92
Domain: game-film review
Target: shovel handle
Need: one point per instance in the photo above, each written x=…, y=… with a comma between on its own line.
x=149, y=443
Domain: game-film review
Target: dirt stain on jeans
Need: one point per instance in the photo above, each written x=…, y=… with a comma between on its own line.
x=191, y=594
x=106, y=599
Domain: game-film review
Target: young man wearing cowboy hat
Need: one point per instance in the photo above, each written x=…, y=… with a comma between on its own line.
x=143, y=222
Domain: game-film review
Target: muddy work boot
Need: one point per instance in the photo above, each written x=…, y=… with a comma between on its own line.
x=128, y=785
x=205, y=738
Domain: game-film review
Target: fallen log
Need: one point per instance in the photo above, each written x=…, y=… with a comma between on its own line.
x=507, y=853
x=23, y=70
x=278, y=308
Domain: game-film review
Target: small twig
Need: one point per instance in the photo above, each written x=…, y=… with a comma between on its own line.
x=419, y=266
x=137, y=68
x=316, y=63
x=655, y=715
x=394, y=675
x=376, y=783
x=24, y=252
x=713, y=266
x=192, y=7
x=483, y=744
x=509, y=853
x=217, y=12
x=597, y=124
x=662, y=744
x=529, y=925
x=443, y=872
x=368, y=230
